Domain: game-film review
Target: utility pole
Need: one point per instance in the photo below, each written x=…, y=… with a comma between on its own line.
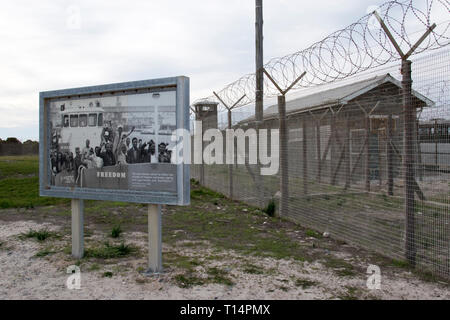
x=259, y=93
x=259, y=62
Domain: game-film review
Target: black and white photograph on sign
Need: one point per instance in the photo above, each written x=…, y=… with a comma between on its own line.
x=114, y=142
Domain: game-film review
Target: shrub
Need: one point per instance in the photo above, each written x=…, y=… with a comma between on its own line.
x=270, y=208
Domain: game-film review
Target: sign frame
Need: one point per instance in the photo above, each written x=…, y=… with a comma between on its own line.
x=179, y=84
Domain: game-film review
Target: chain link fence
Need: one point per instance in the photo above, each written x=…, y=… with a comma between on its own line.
x=364, y=157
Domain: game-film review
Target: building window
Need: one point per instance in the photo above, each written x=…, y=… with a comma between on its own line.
x=66, y=120
x=92, y=120
x=83, y=120
x=100, y=119
x=74, y=120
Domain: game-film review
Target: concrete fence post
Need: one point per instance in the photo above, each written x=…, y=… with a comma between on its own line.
x=284, y=177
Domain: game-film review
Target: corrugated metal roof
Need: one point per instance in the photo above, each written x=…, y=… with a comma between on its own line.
x=332, y=96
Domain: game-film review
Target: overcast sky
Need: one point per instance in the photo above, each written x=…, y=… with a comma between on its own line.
x=49, y=45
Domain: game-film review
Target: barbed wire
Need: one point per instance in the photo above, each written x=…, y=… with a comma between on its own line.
x=440, y=90
x=360, y=46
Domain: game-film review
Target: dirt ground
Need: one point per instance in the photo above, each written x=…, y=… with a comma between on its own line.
x=219, y=273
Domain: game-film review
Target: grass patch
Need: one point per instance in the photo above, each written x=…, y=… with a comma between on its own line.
x=188, y=280
x=24, y=193
x=195, y=182
x=107, y=274
x=44, y=252
x=216, y=275
x=116, y=231
x=201, y=192
x=314, y=234
x=400, y=263
x=18, y=166
x=253, y=269
x=94, y=267
x=340, y=267
x=251, y=233
x=182, y=262
x=19, y=183
x=109, y=251
x=40, y=235
x=305, y=283
x=351, y=294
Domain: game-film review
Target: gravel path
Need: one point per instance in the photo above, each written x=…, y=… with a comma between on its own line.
x=25, y=276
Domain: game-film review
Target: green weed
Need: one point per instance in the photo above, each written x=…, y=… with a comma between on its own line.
x=40, y=235
x=108, y=251
x=116, y=231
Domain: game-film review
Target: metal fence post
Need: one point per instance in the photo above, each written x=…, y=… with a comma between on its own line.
x=283, y=140
x=367, y=164
x=348, y=154
x=319, y=153
x=284, y=178
x=390, y=155
x=408, y=137
x=230, y=166
x=333, y=147
x=305, y=156
x=409, y=157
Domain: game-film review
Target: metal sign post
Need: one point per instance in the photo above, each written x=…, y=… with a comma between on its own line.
x=77, y=228
x=154, y=239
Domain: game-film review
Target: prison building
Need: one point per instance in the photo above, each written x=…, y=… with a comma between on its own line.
x=347, y=135
x=434, y=136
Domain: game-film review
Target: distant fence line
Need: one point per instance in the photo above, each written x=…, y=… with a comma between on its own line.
x=18, y=149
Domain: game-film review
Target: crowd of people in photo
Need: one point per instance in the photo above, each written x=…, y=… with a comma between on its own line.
x=115, y=148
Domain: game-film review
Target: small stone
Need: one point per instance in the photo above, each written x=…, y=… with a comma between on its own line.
x=326, y=234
